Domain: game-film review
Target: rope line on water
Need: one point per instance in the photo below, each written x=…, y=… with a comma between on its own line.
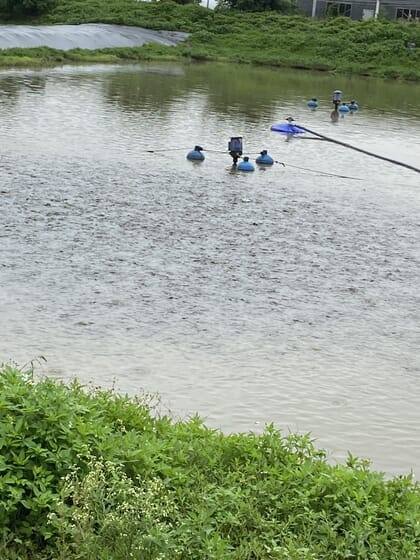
x=185, y=150
x=346, y=145
x=318, y=136
x=275, y=161
x=167, y=150
x=326, y=173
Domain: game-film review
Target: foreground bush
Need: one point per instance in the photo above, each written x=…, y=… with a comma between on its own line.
x=93, y=474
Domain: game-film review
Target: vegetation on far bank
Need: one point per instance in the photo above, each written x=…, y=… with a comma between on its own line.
x=92, y=474
x=372, y=48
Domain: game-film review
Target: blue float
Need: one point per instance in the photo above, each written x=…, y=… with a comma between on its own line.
x=288, y=129
x=264, y=158
x=344, y=108
x=313, y=103
x=353, y=106
x=196, y=154
x=246, y=165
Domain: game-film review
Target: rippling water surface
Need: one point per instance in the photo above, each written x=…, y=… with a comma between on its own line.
x=284, y=295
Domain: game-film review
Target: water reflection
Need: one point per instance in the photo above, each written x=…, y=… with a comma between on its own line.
x=149, y=87
x=256, y=93
x=11, y=87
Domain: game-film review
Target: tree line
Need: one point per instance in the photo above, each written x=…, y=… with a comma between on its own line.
x=18, y=8
x=29, y=8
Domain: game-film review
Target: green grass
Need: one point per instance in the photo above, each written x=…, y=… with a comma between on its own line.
x=340, y=45
x=92, y=474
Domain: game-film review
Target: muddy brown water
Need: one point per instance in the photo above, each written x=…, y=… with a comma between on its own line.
x=288, y=295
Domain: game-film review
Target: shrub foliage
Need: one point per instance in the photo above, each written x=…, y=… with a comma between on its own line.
x=16, y=8
x=283, y=6
x=273, y=38
x=92, y=474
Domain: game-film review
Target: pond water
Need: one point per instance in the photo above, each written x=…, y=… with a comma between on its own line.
x=288, y=295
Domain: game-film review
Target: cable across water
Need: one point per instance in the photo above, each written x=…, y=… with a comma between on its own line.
x=361, y=150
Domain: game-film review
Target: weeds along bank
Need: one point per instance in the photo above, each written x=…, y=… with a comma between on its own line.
x=377, y=48
x=92, y=474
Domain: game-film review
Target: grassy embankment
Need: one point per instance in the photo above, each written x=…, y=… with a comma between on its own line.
x=376, y=48
x=93, y=475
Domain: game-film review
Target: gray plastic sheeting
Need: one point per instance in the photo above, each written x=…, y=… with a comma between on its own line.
x=86, y=36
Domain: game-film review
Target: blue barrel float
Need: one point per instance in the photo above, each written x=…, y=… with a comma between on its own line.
x=313, y=103
x=264, y=158
x=196, y=154
x=344, y=108
x=245, y=165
